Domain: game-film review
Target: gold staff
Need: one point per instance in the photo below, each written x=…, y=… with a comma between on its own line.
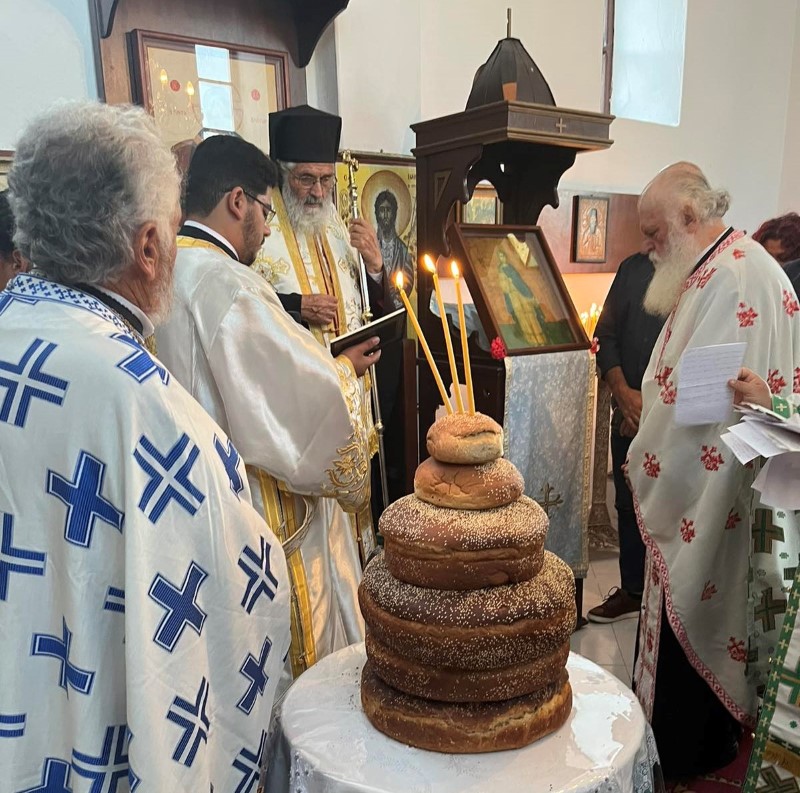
x=366, y=316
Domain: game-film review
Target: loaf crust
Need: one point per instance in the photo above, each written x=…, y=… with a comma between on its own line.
x=460, y=728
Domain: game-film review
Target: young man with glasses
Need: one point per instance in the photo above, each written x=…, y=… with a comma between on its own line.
x=292, y=411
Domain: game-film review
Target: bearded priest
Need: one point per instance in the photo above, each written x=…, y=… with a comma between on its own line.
x=311, y=257
x=704, y=631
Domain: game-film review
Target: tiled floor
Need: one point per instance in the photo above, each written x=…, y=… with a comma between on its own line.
x=610, y=646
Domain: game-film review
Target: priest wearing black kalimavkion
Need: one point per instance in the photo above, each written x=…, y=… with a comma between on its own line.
x=311, y=258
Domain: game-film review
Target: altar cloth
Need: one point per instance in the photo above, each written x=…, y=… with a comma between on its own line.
x=328, y=746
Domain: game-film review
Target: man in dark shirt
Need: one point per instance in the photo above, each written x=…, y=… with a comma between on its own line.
x=792, y=269
x=627, y=335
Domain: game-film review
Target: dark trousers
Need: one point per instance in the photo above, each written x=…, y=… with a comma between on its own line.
x=389, y=372
x=631, y=547
x=694, y=731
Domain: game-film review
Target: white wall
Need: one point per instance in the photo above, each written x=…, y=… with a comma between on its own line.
x=322, y=76
x=790, y=183
x=378, y=61
x=400, y=62
x=45, y=54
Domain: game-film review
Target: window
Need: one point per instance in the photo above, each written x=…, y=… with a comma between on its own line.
x=643, y=59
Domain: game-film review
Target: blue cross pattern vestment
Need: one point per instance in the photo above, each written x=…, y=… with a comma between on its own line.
x=144, y=602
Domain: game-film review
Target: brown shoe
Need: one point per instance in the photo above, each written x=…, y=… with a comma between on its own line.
x=618, y=605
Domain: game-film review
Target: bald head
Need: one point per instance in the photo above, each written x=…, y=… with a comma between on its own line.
x=682, y=191
x=680, y=202
x=680, y=215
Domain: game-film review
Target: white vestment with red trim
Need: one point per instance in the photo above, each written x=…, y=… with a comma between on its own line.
x=693, y=498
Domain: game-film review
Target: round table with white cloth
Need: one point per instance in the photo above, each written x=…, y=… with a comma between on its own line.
x=326, y=744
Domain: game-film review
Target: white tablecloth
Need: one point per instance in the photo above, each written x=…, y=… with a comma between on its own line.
x=326, y=744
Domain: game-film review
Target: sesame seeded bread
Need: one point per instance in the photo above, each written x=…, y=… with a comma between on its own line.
x=476, y=487
x=465, y=438
x=477, y=629
x=463, y=549
x=462, y=728
x=446, y=684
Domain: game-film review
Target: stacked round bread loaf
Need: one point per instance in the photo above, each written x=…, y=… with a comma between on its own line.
x=468, y=617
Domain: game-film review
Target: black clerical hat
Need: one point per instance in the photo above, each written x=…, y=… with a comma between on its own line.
x=304, y=134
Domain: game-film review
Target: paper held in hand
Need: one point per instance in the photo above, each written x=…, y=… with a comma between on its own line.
x=763, y=433
x=704, y=396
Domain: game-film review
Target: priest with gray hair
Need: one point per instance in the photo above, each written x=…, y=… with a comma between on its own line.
x=311, y=257
x=145, y=604
x=714, y=579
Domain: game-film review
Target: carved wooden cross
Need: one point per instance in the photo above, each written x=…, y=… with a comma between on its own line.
x=545, y=502
x=561, y=126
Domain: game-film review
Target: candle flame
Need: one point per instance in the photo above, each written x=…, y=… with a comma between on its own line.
x=454, y=269
x=428, y=262
x=399, y=281
x=189, y=88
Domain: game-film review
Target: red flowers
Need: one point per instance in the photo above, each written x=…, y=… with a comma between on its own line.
x=687, y=530
x=651, y=466
x=746, y=316
x=790, y=304
x=775, y=381
x=733, y=520
x=498, y=349
x=736, y=650
x=709, y=590
x=711, y=458
x=668, y=391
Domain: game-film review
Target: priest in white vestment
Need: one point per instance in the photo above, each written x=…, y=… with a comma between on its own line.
x=144, y=604
x=693, y=498
x=294, y=412
x=312, y=259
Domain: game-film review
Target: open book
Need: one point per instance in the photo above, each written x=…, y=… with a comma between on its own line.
x=388, y=329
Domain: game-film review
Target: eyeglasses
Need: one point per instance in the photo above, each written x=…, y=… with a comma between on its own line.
x=308, y=181
x=269, y=212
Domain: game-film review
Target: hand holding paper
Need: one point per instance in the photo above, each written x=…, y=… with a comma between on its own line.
x=704, y=396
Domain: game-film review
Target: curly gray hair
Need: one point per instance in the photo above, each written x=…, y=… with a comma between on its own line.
x=682, y=184
x=85, y=177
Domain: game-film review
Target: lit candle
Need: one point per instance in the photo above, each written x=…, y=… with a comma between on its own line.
x=422, y=343
x=464, y=348
x=431, y=268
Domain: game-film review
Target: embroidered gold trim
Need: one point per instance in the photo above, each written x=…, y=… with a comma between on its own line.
x=280, y=514
x=344, y=325
x=191, y=242
x=782, y=756
x=349, y=477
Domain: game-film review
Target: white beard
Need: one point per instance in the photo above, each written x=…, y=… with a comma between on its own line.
x=303, y=220
x=671, y=273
